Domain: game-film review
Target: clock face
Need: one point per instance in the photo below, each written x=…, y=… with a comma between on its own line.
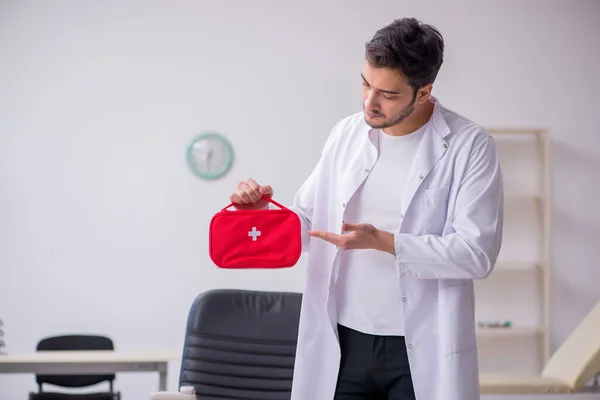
x=210, y=156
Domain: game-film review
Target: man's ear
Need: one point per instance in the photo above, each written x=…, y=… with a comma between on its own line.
x=424, y=93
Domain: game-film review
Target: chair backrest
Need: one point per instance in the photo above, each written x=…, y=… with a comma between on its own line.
x=577, y=360
x=241, y=344
x=72, y=343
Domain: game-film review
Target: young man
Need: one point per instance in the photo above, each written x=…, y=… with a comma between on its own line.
x=402, y=212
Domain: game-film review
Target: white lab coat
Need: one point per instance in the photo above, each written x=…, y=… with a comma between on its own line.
x=450, y=234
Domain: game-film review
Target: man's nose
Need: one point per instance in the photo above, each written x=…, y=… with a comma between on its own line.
x=370, y=100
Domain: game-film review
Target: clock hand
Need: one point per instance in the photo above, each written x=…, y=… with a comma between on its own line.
x=209, y=157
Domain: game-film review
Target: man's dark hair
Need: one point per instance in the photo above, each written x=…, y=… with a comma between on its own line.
x=413, y=48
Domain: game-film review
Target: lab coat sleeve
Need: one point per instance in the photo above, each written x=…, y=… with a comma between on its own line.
x=303, y=205
x=471, y=250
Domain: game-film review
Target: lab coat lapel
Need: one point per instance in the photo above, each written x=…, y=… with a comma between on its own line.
x=357, y=170
x=433, y=146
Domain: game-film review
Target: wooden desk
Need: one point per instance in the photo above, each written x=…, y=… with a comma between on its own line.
x=89, y=362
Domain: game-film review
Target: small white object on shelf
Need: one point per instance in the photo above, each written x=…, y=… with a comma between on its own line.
x=514, y=331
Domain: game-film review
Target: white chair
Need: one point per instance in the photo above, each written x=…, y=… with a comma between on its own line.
x=573, y=364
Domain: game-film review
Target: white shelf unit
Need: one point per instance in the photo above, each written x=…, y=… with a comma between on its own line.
x=519, y=288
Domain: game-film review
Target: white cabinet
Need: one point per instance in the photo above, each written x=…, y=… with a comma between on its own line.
x=519, y=288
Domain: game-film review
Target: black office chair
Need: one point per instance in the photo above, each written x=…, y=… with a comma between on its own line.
x=241, y=344
x=70, y=343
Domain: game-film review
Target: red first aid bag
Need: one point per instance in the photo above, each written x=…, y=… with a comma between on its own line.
x=255, y=238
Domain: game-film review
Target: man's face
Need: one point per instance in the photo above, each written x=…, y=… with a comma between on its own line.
x=387, y=97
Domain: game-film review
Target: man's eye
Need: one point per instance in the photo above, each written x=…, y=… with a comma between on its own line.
x=389, y=96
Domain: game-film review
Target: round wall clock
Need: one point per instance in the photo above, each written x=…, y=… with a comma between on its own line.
x=210, y=155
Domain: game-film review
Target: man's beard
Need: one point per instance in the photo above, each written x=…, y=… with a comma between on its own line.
x=401, y=116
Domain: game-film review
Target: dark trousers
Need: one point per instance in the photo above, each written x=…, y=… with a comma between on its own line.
x=373, y=367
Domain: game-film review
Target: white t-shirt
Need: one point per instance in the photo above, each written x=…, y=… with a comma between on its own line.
x=368, y=290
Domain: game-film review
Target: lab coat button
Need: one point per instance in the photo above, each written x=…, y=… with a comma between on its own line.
x=410, y=346
x=420, y=176
x=367, y=170
x=445, y=146
x=404, y=299
x=343, y=205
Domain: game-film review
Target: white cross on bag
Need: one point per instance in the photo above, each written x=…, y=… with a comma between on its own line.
x=254, y=233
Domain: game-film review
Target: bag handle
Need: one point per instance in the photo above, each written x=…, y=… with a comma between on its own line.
x=268, y=198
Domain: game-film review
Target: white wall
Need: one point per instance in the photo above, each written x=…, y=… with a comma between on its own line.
x=103, y=228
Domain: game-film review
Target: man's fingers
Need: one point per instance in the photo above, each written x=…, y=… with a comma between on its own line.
x=352, y=227
x=321, y=235
x=254, y=190
x=244, y=196
x=330, y=237
x=234, y=198
x=266, y=190
x=252, y=184
x=241, y=193
x=259, y=190
x=249, y=192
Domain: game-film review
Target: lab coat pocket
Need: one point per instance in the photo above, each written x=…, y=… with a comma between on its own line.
x=436, y=208
x=456, y=316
